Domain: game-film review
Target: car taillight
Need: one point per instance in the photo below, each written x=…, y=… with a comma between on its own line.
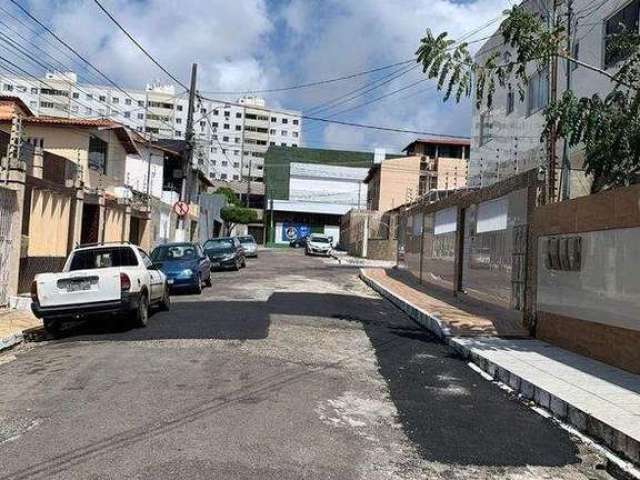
x=34, y=291
x=125, y=282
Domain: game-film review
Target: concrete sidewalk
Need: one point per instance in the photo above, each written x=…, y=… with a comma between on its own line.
x=12, y=324
x=599, y=400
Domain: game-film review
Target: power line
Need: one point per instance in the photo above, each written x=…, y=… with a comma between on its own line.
x=311, y=84
x=137, y=44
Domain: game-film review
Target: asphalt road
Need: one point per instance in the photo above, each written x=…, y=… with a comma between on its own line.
x=288, y=369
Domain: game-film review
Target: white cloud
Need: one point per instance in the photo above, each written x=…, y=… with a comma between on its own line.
x=254, y=44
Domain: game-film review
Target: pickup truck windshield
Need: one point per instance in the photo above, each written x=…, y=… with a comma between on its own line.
x=103, y=258
x=174, y=252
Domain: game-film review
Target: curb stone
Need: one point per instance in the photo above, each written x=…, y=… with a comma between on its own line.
x=615, y=440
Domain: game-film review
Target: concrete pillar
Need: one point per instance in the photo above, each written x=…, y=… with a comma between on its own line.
x=38, y=163
x=126, y=223
x=365, y=237
x=102, y=215
x=16, y=181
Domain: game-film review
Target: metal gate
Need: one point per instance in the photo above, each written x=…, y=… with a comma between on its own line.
x=7, y=207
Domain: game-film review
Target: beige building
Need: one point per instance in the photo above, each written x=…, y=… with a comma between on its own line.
x=444, y=163
x=392, y=183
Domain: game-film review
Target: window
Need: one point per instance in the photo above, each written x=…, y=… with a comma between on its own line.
x=127, y=114
x=115, y=100
x=237, y=139
x=89, y=96
x=225, y=126
x=141, y=116
x=238, y=128
x=238, y=115
x=294, y=144
x=215, y=124
x=178, y=121
x=538, y=91
x=76, y=95
x=486, y=128
x=21, y=88
x=272, y=143
x=223, y=176
x=624, y=20
x=236, y=165
x=296, y=122
x=285, y=121
x=227, y=114
x=46, y=105
x=236, y=152
x=103, y=258
x=102, y=98
x=34, y=90
x=236, y=177
x=202, y=123
x=216, y=112
x=179, y=108
x=127, y=101
x=224, y=163
x=98, y=149
x=274, y=119
x=34, y=104
x=295, y=134
x=272, y=131
x=510, y=100
x=283, y=144
x=284, y=133
x=225, y=139
x=576, y=54
x=88, y=111
x=178, y=133
x=203, y=111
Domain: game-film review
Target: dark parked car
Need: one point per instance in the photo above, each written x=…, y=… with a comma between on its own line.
x=299, y=242
x=250, y=246
x=225, y=252
x=184, y=264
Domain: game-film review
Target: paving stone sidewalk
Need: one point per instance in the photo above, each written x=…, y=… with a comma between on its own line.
x=597, y=399
x=12, y=324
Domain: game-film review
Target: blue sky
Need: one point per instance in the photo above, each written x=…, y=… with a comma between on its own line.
x=258, y=44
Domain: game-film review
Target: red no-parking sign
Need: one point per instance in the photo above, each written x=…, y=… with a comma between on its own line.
x=181, y=208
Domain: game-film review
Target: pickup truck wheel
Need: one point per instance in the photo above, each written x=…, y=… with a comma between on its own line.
x=165, y=303
x=141, y=314
x=52, y=327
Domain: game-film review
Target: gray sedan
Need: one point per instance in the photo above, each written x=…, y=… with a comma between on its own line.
x=249, y=245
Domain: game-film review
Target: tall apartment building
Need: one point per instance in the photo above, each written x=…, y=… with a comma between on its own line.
x=230, y=138
x=506, y=138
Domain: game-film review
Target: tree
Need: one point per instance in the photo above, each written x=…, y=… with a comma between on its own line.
x=234, y=214
x=608, y=128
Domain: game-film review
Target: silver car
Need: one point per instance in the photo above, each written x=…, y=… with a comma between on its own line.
x=249, y=245
x=318, y=245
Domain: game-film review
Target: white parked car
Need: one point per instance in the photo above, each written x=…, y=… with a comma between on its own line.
x=318, y=245
x=97, y=281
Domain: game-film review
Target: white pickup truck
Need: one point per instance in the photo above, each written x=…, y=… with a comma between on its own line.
x=97, y=281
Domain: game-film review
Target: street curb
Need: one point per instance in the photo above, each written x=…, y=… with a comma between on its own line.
x=615, y=440
x=427, y=320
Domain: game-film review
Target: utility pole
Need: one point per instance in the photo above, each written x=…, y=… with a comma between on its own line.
x=249, y=182
x=553, y=135
x=565, y=178
x=187, y=152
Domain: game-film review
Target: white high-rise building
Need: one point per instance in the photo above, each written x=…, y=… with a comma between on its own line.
x=231, y=138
